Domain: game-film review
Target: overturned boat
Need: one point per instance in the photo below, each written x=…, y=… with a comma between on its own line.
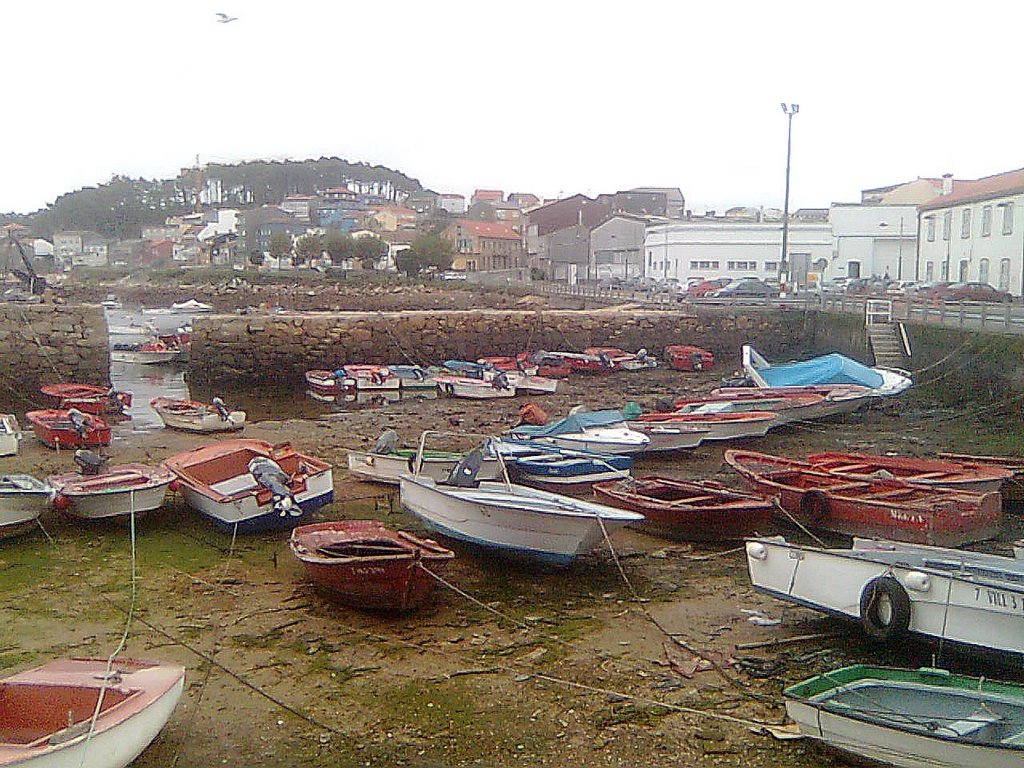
x=824, y=370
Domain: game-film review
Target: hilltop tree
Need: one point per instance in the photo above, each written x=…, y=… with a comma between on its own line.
x=280, y=245
x=370, y=250
x=428, y=250
x=339, y=246
x=308, y=247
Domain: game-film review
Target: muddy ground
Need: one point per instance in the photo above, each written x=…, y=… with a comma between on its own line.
x=539, y=668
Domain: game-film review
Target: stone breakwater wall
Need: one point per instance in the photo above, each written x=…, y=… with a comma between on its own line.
x=277, y=349
x=47, y=343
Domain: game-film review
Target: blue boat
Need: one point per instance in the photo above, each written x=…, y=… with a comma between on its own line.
x=466, y=368
x=600, y=432
x=534, y=462
x=824, y=370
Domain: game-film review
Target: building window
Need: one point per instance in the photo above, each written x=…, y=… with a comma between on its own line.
x=1007, y=218
x=1004, y=275
x=965, y=223
x=947, y=224
x=741, y=265
x=694, y=265
x=929, y=227
x=983, y=267
x=964, y=266
x=944, y=274
x=986, y=222
x=929, y=272
x=771, y=266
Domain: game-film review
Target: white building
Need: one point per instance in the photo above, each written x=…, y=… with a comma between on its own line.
x=974, y=233
x=873, y=241
x=710, y=248
x=453, y=203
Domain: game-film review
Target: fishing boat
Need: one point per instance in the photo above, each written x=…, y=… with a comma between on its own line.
x=603, y=432
x=695, y=511
x=787, y=409
x=23, y=499
x=682, y=357
x=413, y=377
x=563, y=467
x=668, y=436
x=250, y=485
x=69, y=429
x=87, y=398
x=475, y=389
x=371, y=377
x=718, y=426
x=364, y=564
x=10, y=434
x=893, y=588
x=925, y=718
x=838, y=398
x=827, y=369
x=99, y=492
x=192, y=306
x=945, y=473
x=531, y=384
x=1013, y=489
x=886, y=508
x=193, y=416
x=621, y=360
x=512, y=519
x=76, y=712
x=326, y=385
x=150, y=353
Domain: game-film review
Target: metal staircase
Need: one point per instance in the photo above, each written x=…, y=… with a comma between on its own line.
x=886, y=338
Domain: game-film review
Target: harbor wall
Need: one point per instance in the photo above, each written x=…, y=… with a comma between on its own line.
x=47, y=343
x=279, y=348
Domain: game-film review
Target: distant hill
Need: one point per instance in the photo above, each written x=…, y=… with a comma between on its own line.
x=122, y=206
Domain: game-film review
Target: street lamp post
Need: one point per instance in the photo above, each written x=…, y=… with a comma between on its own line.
x=789, y=110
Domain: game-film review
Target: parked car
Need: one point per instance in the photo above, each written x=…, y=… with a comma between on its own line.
x=834, y=285
x=746, y=287
x=866, y=286
x=973, y=292
x=704, y=287
x=927, y=291
x=902, y=287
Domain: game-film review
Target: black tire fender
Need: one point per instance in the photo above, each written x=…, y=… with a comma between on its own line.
x=814, y=507
x=871, y=619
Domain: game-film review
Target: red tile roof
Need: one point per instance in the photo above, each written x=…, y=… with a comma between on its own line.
x=985, y=188
x=488, y=229
x=489, y=194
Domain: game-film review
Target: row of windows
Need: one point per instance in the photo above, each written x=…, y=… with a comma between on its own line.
x=965, y=222
x=983, y=272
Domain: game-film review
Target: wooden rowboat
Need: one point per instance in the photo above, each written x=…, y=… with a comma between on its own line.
x=48, y=712
x=787, y=408
x=193, y=416
x=940, y=472
x=883, y=508
x=704, y=511
x=1013, y=490
x=69, y=429
x=366, y=565
x=719, y=426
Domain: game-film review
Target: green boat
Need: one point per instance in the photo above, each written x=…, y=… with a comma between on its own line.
x=925, y=718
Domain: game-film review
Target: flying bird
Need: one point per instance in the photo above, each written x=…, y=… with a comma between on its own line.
x=223, y=18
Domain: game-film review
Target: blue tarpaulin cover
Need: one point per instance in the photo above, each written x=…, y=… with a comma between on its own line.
x=827, y=369
x=574, y=424
x=472, y=370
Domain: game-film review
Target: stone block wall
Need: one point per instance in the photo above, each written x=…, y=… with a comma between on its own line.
x=47, y=343
x=279, y=348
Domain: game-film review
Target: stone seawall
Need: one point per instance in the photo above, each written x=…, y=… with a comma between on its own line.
x=278, y=349
x=46, y=343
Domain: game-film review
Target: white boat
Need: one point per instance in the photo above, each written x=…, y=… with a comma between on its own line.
x=50, y=712
x=10, y=434
x=597, y=432
x=474, y=389
x=512, y=519
x=22, y=499
x=191, y=306
x=111, y=302
x=389, y=467
x=140, y=356
x=122, y=489
x=924, y=718
x=1018, y=549
x=824, y=370
x=192, y=416
x=131, y=335
x=531, y=384
x=893, y=588
x=715, y=426
x=669, y=437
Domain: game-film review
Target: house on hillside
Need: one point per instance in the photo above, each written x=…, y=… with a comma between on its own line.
x=302, y=207
x=257, y=225
x=524, y=201
x=452, y=203
x=487, y=196
x=484, y=246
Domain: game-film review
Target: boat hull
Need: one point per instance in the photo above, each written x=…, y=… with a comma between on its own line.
x=472, y=389
x=99, y=506
x=19, y=509
x=208, y=423
x=665, y=437
x=388, y=468
x=247, y=516
x=145, y=358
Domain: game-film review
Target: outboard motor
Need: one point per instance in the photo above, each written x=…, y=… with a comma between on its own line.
x=641, y=354
x=387, y=442
x=268, y=473
x=465, y=472
x=697, y=361
x=90, y=463
x=221, y=409
x=501, y=381
x=606, y=362
x=79, y=421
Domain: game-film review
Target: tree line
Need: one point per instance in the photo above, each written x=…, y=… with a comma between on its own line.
x=427, y=252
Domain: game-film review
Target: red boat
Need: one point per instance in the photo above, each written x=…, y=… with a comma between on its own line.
x=87, y=398
x=551, y=366
x=1013, y=490
x=687, y=358
x=367, y=565
x=939, y=472
x=520, y=362
x=719, y=426
x=69, y=429
x=880, y=508
x=703, y=511
x=326, y=385
x=788, y=408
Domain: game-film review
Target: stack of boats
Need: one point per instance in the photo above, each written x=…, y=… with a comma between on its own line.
x=350, y=380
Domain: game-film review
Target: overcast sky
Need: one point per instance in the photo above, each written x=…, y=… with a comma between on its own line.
x=551, y=97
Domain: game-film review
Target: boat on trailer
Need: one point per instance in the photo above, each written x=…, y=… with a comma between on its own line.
x=23, y=499
x=10, y=434
x=924, y=718
x=99, y=492
x=88, y=398
x=695, y=511
x=76, y=712
x=885, y=508
x=945, y=473
x=193, y=416
x=69, y=429
x=893, y=588
x=250, y=485
x=824, y=370
x=364, y=564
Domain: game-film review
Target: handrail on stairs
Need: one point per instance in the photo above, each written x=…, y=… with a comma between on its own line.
x=877, y=311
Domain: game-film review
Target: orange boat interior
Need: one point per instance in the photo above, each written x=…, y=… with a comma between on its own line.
x=33, y=711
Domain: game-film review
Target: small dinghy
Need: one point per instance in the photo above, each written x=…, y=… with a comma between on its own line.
x=364, y=378
x=476, y=389
x=150, y=353
x=665, y=437
x=69, y=429
x=886, y=508
x=925, y=718
x=10, y=434
x=787, y=409
x=520, y=363
x=716, y=426
x=192, y=306
x=87, y=398
x=602, y=432
x=251, y=485
x=945, y=473
x=824, y=370
x=192, y=416
x=686, y=358
x=541, y=464
x=23, y=499
x=838, y=398
x=47, y=712
x=524, y=383
x=893, y=588
x=621, y=360
x=326, y=385
x=99, y=492
x=413, y=377
x=366, y=565
x=386, y=462
x=694, y=511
